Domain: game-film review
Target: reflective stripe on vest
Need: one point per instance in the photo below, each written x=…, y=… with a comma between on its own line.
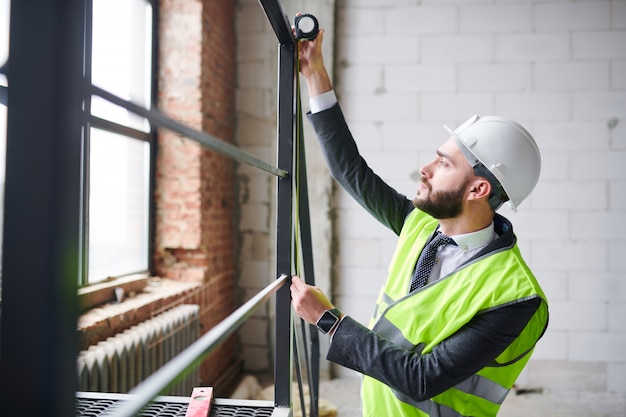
x=429, y=407
x=475, y=385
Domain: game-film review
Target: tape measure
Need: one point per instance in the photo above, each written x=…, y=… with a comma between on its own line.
x=306, y=27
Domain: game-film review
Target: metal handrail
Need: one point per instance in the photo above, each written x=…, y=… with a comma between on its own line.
x=209, y=141
x=189, y=358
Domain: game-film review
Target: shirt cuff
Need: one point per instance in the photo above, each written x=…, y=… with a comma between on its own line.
x=322, y=102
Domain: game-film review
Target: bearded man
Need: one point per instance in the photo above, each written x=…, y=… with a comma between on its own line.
x=460, y=312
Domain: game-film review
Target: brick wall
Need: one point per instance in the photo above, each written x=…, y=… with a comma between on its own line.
x=194, y=186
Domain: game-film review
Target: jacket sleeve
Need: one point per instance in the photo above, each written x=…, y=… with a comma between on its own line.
x=422, y=376
x=351, y=171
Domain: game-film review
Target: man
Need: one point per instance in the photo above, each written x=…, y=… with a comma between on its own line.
x=451, y=340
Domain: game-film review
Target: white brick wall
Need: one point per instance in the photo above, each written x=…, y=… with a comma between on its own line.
x=582, y=76
x=495, y=19
x=510, y=77
x=404, y=68
x=256, y=127
x=559, y=67
x=582, y=16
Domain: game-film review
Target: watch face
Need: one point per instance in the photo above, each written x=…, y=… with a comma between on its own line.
x=327, y=321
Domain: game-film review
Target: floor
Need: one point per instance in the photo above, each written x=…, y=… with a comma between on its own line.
x=344, y=394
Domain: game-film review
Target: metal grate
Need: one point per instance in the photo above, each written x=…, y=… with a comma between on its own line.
x=247, y=411
x=96, y=405
x=93, y=407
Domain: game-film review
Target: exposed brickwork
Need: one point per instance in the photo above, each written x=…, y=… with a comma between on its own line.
x=195, y=186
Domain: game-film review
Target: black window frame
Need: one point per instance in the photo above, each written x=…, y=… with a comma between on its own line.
x=91, y=121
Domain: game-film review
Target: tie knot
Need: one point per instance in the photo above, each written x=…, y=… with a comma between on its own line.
x=441, y=239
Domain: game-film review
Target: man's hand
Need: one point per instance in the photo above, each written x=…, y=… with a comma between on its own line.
x=312, y=65
x=308, y=301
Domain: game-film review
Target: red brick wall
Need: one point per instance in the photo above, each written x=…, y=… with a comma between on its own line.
x=195, y=194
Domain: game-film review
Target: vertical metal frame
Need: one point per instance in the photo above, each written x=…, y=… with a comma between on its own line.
x=39, y=343
x=153, y=132
x=309, y=332
x=287, y=50
x=283, y=362
x=83, y=277
x=287, y=122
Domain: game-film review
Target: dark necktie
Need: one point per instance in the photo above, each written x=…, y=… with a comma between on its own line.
x=426, y=261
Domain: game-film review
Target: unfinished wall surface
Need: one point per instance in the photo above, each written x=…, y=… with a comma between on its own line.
x=404, y=68
x=195, y=195
x=256, y=134
x=257, y=78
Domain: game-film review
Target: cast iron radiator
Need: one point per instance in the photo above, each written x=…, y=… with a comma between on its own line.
x=121, y=362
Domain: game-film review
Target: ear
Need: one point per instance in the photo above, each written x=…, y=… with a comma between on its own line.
x=479, y=188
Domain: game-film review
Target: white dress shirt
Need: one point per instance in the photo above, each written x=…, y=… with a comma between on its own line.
x=450, y=257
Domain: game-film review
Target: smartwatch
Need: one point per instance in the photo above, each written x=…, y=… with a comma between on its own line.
x=328, y=320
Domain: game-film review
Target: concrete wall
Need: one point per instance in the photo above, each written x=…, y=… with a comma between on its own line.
x=402, y=69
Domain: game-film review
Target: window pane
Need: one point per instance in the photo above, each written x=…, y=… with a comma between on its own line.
x=121, y=57
x=118, y=205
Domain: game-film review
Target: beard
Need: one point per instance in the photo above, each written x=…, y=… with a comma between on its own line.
x=443, y=204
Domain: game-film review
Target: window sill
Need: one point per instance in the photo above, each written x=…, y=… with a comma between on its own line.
x=104, y=292
x=98, y=323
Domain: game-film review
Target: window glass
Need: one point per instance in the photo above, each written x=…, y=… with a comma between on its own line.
x=121, y=57
x=119, y=202
x=119, y=153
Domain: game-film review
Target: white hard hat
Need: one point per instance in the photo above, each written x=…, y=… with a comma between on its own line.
x=507, y=151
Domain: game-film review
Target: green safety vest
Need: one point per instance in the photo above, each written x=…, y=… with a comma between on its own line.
x=424, y=318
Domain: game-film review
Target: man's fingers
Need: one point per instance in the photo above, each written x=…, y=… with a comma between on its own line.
x=297, y=285
x=296, y=281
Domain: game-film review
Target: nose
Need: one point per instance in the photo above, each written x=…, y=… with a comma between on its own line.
x=426, y=170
